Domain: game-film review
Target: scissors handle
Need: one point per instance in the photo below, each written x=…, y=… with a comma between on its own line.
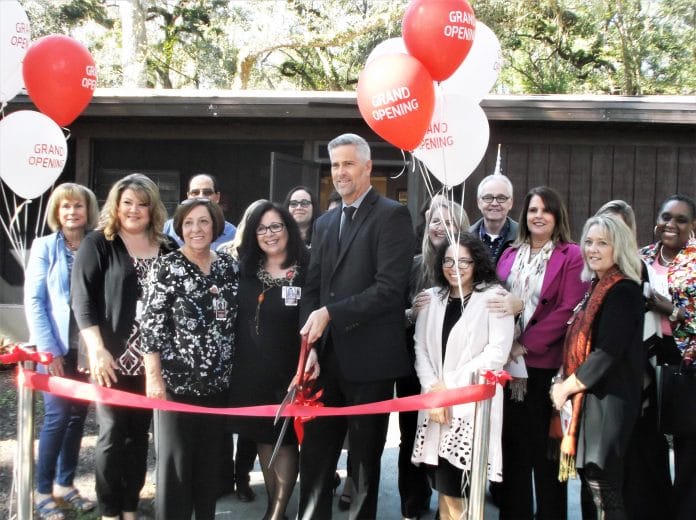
x=305, y=347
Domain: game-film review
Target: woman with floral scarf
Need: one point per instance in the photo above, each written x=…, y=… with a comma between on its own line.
x=542, y=272
x=602, y=370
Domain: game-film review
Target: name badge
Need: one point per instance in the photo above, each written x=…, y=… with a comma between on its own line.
x=220, y=306
x=291, y=295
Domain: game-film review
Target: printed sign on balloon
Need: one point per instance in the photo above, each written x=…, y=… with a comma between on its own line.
x=456, y=140
x=34, y=152
x=439, y=33
x=396, y=99
x=15, y=37
x=60, y=76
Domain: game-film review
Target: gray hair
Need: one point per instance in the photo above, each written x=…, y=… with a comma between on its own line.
x=622, y=239
x=360, y=144
x=622, y=209
x=494, y=177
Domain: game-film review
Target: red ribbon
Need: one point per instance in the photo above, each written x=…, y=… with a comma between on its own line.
x=70, y=388
x=17, y=354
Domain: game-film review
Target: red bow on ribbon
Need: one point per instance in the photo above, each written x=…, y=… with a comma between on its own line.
x=17, y=354
x=494, y=377
x=305, y=398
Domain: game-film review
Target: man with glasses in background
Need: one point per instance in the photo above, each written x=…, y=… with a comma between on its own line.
x=496, y=230
x=203, y=185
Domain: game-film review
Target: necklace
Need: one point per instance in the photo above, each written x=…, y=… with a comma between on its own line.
x=665, y=262
x=267, y=283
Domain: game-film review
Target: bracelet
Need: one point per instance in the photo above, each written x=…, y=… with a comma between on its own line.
x=675, y=314
x=409, y=317
x=555, y=380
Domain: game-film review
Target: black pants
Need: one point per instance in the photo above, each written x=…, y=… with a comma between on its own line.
x=684, y=476
x=323, y=440
x=237, y=464
x=646, y=471
x=121, y=451
x=414, y=487
x=528, y=455
x=189, y=459
x=601, y=492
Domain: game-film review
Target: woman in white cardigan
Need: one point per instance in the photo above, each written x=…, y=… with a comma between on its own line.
x=456, y=336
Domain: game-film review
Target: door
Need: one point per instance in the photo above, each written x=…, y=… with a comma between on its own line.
x=288, y=171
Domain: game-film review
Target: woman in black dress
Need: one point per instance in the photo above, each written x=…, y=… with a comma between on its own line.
x=273, y=264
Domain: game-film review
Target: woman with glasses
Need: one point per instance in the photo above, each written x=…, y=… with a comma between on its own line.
x=188, y=339
x=273, y=265
x=541, y=271
x=456, y=336
x=444, y=220
x=304, y=208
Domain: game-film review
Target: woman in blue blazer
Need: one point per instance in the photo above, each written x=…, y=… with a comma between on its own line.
x=71, y=211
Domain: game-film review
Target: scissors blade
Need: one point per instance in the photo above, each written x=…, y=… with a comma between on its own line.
x=279, y=442
x=288, y=399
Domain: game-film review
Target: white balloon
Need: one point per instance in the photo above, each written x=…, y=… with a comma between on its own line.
x=390, y=46
x=479, y=71
x=34, y=152
x=15, y=37
x=456, y=140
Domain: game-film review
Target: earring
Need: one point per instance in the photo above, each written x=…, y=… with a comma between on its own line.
x=655, y=230
x=692, y=235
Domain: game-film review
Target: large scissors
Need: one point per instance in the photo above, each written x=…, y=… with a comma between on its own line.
x=297, y=385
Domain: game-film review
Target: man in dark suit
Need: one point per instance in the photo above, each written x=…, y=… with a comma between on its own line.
x=353, y=304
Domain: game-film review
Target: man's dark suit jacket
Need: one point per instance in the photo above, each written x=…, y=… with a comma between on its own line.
x=363, y=287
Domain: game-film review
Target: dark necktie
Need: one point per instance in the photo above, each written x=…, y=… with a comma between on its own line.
x=345, y=229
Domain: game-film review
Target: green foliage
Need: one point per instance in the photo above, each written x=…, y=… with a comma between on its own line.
x=549, y=46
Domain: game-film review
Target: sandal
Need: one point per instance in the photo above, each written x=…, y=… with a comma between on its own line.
x=48, y=510
x=73, y=500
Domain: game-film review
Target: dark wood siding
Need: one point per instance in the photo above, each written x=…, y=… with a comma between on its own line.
x=589, y=166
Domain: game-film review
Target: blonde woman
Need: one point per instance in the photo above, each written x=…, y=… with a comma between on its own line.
x=71, y=212
x=110, y=271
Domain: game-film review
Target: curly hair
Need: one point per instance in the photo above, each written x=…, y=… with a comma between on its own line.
x=148, y=192
x=250, y=254
x=484, y=273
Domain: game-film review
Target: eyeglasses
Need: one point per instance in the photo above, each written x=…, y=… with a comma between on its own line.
x=275, y=227
x=206, y=192
x=500, y=199
x=462, y=263
x=187, y=202
x=304, y=203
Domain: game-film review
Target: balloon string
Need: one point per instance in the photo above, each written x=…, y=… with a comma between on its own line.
x=403, y=168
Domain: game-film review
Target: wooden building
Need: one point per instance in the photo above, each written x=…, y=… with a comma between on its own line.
x=590, y=148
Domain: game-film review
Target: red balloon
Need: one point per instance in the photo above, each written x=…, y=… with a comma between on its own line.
x=439, y=33
x=396, y=98
x=60, y=77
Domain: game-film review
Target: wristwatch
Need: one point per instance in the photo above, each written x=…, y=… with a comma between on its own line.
x=675, y=314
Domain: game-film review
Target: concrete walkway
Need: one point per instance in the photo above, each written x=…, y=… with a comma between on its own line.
x=229, y=507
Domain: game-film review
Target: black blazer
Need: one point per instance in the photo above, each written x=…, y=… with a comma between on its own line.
x=363, y=287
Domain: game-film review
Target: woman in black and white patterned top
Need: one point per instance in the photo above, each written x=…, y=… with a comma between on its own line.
x=188, y=341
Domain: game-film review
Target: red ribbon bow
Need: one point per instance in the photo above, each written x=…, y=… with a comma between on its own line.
x=494, y=377
x=306, y=399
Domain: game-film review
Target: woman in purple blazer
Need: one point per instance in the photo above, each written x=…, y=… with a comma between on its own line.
x=541, y=271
